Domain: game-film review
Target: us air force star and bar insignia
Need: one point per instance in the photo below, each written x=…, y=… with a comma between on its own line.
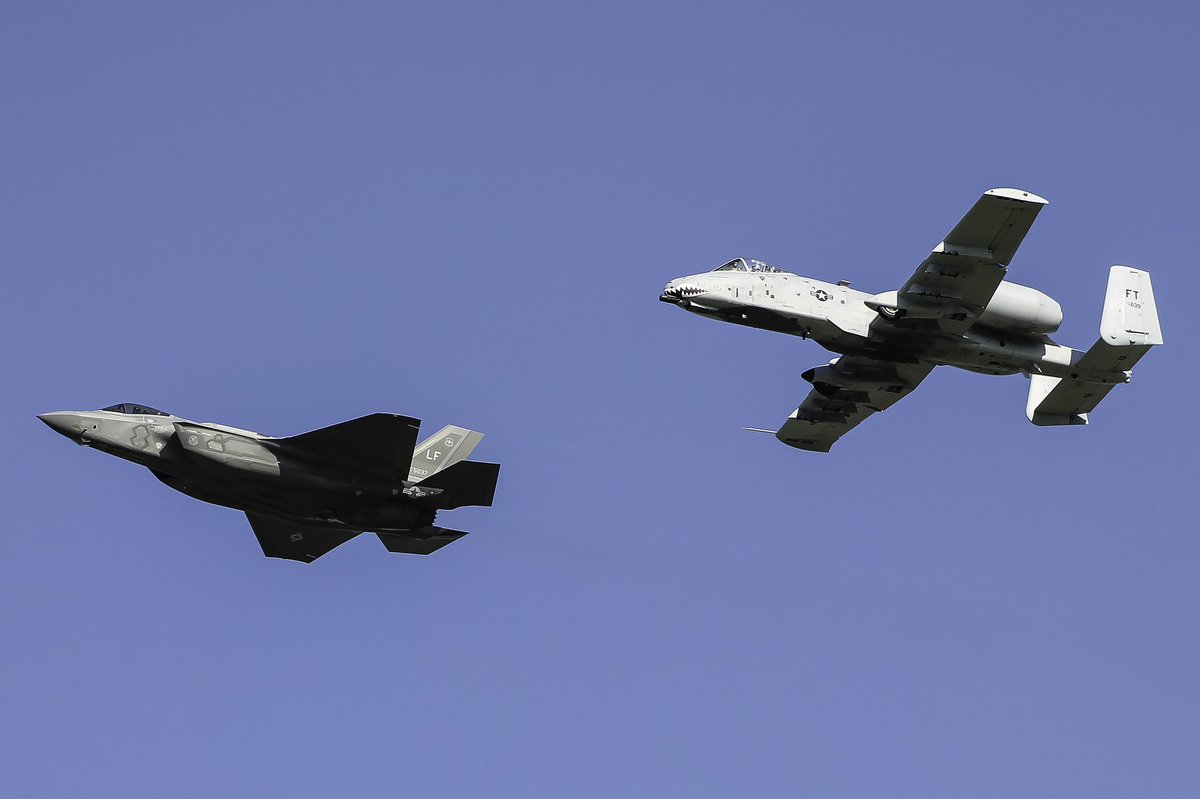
x=821, y=294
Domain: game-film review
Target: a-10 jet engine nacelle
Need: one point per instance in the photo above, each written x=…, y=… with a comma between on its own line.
x=1013, y=308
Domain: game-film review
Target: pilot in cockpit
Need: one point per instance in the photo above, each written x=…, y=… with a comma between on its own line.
x=741, y=265
x=135, y=410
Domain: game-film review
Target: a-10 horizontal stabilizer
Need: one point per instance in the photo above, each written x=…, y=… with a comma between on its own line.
x=282, y=539
x=382, y=441
x=1058, y=401
x=422, y=541
x=465, y=483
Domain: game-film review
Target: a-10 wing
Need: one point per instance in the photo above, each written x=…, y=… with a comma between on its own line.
x=956, y=282
x=845, y=393
x=950, y=288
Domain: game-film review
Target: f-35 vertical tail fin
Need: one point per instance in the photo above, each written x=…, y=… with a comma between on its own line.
x=1128, y=329
x=442, y=450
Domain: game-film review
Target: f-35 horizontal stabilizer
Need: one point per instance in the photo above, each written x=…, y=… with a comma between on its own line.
x=465, y=483
x=422, y=541
x=281, y=539
x=381, y=441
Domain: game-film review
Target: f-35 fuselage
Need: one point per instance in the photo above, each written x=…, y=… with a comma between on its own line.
x=306, y=494
x=281, y=478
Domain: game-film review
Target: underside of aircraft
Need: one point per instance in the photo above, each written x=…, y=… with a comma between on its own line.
x=955, y=310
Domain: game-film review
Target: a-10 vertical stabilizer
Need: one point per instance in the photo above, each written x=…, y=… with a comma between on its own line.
x=957, y=309
x=1128, y=329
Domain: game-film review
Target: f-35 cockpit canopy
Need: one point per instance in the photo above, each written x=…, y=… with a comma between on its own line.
x=751, y=265
x=135, y=410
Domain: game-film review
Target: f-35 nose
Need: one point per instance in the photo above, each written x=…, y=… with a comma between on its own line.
x=64, y=422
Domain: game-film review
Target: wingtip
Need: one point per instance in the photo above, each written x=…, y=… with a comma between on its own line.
x=1018, y=194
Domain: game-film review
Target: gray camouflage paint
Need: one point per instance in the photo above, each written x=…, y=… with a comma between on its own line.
x=956, y=310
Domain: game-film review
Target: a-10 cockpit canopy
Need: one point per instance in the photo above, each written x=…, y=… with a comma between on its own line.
x=751, y=265
x=135, y=410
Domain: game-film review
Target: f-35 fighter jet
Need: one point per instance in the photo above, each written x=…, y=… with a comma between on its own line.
x=955, y=310
x=306, y=494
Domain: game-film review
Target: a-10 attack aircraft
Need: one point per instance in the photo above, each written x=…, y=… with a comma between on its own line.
x=955, y=310
x=306, y=494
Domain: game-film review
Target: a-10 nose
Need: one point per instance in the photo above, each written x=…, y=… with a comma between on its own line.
x=679, y=290
x=683, y=289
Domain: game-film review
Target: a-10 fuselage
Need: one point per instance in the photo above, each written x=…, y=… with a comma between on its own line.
x=1009, y=337
x=254, y=473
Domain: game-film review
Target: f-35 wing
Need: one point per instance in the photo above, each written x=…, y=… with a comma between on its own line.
x=845, y=393
x=281, y=539
x=956, y=282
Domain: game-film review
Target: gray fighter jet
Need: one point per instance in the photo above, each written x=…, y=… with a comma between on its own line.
x=306, y=494
x=955, y=310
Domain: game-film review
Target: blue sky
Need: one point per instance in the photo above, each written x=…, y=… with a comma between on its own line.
x=285, y=215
